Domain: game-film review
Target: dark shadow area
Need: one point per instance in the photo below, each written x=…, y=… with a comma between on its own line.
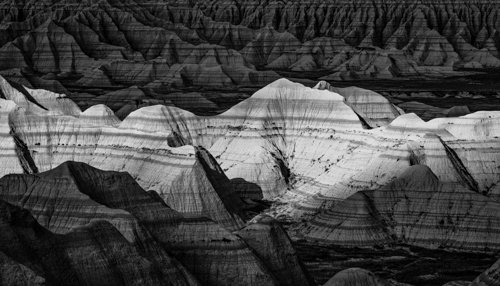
x=28, y=96
x=247, y=189
x=403, y=263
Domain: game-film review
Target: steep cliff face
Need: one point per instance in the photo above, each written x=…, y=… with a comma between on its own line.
x=189, y=211
x=135, y=230
x=308, y=146
x=43, y=131
x=313, y=147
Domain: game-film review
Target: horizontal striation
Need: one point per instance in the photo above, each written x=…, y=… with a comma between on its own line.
x=416, y=208
x=87, y=255
x=52, y=138
x=84, y=196
x=220, y=43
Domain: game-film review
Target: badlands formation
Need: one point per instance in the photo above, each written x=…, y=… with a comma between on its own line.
x=134, y=53
x=169, y=220
x=132, y=152
x=345, y=164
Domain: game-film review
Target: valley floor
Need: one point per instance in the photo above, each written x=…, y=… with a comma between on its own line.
x=402, y=263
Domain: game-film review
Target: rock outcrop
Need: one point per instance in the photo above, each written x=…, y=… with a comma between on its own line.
x=356, y=277
x=45, y=134
x=91, y=254
x=372, y=108
x=272, y=245
x=416, y=208
x=136, y=230
x=488, y=277
x=306, y=147
x=219, y=44
x=275, y=140
x=428, y=112
x=190, y=208
x=278, y=140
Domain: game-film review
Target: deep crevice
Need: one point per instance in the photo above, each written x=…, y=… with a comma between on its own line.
x=24, y=155
x=459, y=166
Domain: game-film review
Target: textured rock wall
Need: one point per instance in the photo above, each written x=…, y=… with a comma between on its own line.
x=219, y=43
x=308, y=148
x=46, y=138
x=272, y=245
x=416, y=208
x=313, y=147
x=87, y=255
x=110, y=208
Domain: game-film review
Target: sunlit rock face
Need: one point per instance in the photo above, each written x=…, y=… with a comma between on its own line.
x=308, y=148
x=311, y=149
x=314, y=147
x=372, y=108
x=45, y=132
x=189, y=211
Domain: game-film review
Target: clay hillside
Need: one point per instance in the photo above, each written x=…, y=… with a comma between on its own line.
x=128, y=54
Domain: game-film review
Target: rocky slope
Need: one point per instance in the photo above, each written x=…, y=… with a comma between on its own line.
x=44, y=136
x=313, y=147
x=314, y=150
x=265, y=235
x=83, y=255
x=77, y=47
x=375, y=39
x=373, y=109
x=189, y=211
x=274, y=144
x=417, y=209
x=106, y=216
x=488, y=277
x=427, y=112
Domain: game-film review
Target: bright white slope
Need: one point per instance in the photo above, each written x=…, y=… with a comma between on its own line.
x=304, y=146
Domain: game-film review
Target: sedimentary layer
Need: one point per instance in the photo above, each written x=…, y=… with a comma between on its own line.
x=92, y=254
x=117, y=44
x=81, y=203
x=43, y=135
x=416, y=208
x=309, y=146
x=190, y=208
